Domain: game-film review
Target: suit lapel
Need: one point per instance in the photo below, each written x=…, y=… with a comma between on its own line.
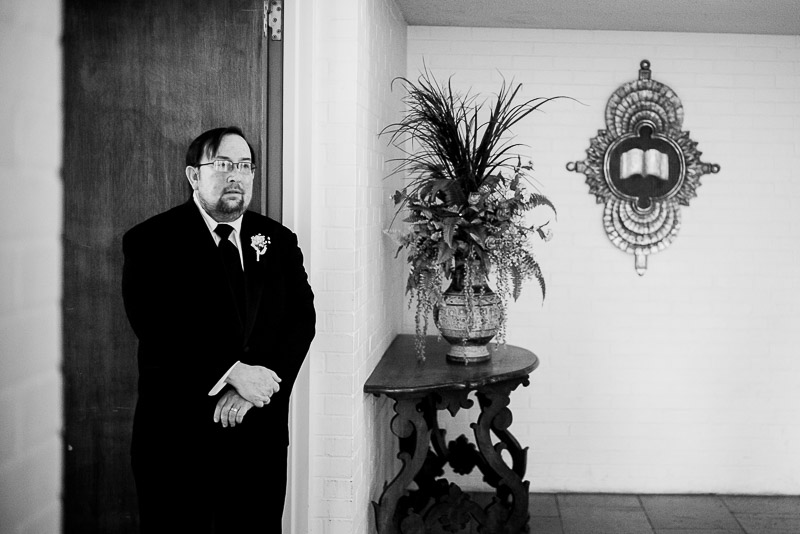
x=200, y=241
x=256, y=273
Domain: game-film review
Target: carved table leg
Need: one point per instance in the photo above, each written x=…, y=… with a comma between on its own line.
x=436, y=458
x=503, y=516
x=439, y=505
x=411, y=427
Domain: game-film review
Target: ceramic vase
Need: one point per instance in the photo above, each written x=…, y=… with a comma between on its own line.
x=468, y=326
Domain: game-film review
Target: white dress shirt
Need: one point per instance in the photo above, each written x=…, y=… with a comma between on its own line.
x=234, y=237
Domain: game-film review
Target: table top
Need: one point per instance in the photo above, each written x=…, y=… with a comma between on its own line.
x=400, y=374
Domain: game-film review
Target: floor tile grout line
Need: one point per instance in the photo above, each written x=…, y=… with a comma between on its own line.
x=560, y=520
x=718, y=498
x=646, y=515
x=728, y=508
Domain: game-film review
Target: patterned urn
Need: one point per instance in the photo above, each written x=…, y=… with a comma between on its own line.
x=468, y=316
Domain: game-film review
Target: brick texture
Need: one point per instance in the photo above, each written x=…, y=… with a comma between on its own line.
x=685, y=379
x=359, y=47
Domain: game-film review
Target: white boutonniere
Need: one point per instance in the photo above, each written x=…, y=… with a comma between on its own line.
x=260, y=243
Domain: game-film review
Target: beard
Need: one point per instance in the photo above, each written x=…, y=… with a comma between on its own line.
x=224, y=209
x=231, y=206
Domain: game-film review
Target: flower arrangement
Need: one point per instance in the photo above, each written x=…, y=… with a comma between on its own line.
x=467, y=196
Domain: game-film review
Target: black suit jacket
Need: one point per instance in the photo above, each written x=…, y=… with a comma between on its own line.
x=182, y=310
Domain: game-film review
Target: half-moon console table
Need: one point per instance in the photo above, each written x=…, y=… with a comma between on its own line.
x=420, y=391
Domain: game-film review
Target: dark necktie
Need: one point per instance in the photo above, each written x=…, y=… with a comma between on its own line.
x=233, y=265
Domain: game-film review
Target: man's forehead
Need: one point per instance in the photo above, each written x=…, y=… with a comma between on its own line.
x=231, y=146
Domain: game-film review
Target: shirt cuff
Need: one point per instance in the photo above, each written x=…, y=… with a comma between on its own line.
x=221, y=384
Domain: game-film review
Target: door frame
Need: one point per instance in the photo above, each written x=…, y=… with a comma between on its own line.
x=298, y=157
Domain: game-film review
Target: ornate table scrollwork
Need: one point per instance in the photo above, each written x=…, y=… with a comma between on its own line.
x=643, y=167
x=410, y=426
x=423, y=389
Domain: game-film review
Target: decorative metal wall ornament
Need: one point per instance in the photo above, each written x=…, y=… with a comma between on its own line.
x=643, y=167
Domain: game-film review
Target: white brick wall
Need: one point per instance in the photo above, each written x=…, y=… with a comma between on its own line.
x=30, y=267
x=687, y=379
x=359, y=47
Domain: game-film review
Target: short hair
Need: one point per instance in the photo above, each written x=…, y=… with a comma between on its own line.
x=207, y=144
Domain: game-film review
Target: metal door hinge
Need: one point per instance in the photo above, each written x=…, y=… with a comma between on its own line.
x=273, y=19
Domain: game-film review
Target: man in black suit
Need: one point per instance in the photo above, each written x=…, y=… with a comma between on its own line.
x=220, y=302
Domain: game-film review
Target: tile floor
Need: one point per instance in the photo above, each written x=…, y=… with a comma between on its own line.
x=577, y=513
x=593, y=513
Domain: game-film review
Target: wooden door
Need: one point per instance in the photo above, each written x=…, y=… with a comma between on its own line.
x=142, y=78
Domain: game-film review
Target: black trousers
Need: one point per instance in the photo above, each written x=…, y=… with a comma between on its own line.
x=233, y=485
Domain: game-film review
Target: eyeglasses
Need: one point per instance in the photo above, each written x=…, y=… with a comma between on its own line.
x=226, y=165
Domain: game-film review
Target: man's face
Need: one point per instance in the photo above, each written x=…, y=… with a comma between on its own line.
x=224, y=195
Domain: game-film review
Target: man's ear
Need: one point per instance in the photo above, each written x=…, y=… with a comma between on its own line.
x=193, y=175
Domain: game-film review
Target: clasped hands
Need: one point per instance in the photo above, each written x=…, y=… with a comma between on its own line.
x=253, y=385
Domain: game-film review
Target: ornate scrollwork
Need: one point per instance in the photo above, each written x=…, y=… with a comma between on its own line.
x=463, y=455
x=512, y=491
x=433, y=503
x=453, y=401
x=411, y=427
x=643, y=167
x=453, y=511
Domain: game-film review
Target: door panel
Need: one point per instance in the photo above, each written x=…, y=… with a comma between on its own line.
x=142, y=79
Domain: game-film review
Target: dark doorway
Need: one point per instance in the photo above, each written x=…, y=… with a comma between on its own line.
x=141, y=80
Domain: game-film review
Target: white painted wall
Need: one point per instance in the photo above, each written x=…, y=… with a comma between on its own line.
x=686, y=379
x=340, y=205
x=30, y=267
